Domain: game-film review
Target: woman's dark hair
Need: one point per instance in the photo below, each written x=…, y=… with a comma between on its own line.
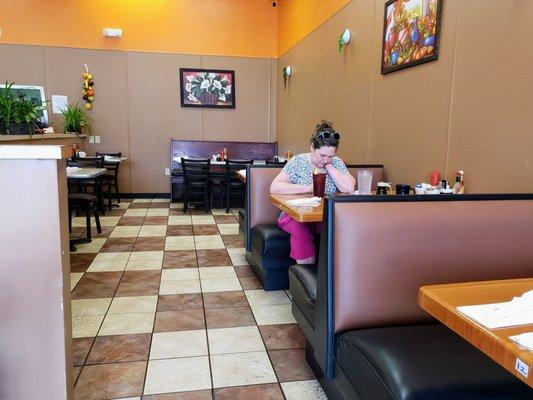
x=325, y=135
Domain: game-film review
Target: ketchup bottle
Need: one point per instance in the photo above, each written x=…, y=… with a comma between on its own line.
x=435, y=178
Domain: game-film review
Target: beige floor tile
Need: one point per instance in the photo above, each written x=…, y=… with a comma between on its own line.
x=238, y=256
x=157, y=212
x=105, y=262
x=177, y=375
x=90, y=306
x=160, y=200
x=80, y=222
x=220, y=285
x=179, y=220
x=153, y=230
x=134, y=304
x=242, y=369
x=219, y=211
x=93, y=247
x=142, y=201
x=235, y=340
x=146, y=255
x=113, y=256
x=176, y=205
x=217, y=273
x=263, y=298
x=124, y=324
x=74, y=279
x=308, y=390
x=179, y=243
x=208, y=242
x=179, y=344
x=273, y=314
x=139, y=265
x=203, y=220
x=125, y=231
x=86, y=325
x=180, y=287
x=136, y=212
x=228, y=229
x=124, y=204
x=179, y=274
x=109, y=221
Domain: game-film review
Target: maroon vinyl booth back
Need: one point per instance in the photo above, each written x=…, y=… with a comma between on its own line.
x=384, y=251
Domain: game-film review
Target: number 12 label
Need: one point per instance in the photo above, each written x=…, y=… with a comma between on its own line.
x=522, y=367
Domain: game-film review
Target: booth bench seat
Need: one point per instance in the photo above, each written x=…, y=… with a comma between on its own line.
x=367, y=339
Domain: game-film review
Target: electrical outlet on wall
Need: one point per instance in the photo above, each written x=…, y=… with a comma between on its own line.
x=97, y=139
x=167, y=171
x=91, y=139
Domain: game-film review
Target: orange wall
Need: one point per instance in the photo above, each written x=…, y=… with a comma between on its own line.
x=215, y=27
x=298, y=18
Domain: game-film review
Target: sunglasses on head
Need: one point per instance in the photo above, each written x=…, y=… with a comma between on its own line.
x=327, y=135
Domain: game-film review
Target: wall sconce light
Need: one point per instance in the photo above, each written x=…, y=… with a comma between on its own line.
x=344, y=39
x=287, y=72
x=112, y=32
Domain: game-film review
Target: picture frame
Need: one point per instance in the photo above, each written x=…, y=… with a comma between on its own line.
x=411, y=33
x=207, y=88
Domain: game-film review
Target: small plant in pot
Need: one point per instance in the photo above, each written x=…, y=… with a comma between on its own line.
x=76, y=119
x=19, y=115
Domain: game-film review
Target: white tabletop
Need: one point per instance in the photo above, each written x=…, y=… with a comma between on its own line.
x=84, y=173
x=115, y=159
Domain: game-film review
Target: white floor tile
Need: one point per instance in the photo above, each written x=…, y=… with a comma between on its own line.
x=235, y=340
x=273, y=314
x=124, y=324
x=86, y=325
x=218, y=273
x=180, y=287
x=90, y=306
x=241, y=369
x=179, y=344
x=177, y=375
x=308, y=390
x=263, y=298
x=179, y=243
x=220, y=285
x=179, y=274
x=133, y=304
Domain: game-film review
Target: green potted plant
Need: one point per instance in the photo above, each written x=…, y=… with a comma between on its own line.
x=76, y=119
x=18, y=114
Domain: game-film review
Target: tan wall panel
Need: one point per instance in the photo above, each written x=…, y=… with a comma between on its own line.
x=302, y=104
x=273, y=99
x=349, y=77
x=155, y=116
x=410, y=108
x=23, y=65
x=250, y=120
x=493, y=97
x=64, y=67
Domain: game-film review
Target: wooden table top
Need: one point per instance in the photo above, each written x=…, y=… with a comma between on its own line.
x=85, y=173
x=299, y=213
x=441, y=301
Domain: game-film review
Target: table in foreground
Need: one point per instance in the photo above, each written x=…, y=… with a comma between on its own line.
x=441, y=301
x=299, y=213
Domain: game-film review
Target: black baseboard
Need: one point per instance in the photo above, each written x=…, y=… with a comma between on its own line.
x=145, y=195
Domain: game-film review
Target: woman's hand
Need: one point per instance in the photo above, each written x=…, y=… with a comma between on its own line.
x=344, y=182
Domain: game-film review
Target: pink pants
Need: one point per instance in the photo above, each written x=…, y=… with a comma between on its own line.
x=302, y=236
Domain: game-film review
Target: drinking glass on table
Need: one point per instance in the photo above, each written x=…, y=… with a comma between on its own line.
x=319, y=184
x=364, y=181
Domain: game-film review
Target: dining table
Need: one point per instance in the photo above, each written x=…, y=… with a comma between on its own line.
x=442, y=302
x=300, y=213
x=78, y=174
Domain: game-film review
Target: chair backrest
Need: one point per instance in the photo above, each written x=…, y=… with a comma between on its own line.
x=111, y=166
x=236, y=165
x=86, y=162
x=195, y=169
x=378, y=172
x=277, y=163
x=259, y=209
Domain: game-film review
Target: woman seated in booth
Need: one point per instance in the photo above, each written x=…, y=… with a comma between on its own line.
x=297, y=178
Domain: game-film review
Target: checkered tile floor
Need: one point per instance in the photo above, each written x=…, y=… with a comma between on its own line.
x=165, y=307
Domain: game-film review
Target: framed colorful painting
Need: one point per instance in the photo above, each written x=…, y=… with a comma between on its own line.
x=411, y=33
x=207, y=88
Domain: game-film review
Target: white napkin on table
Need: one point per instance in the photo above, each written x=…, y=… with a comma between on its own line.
x=307, y=201
x=518, y=311
x=242, y=172
x=524, y=340
x=72, y=169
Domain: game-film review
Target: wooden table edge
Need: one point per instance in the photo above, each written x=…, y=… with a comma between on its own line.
x=457, y=322
x=288, y=210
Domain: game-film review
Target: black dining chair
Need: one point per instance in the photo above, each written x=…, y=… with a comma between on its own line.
x=96, y=185
x=276, y=163
x=233, y=184
x=110, y=178
x=88, y=203
x=196, y=181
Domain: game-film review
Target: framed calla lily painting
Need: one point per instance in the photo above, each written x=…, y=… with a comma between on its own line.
x=207, y=88
x=411, y=33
